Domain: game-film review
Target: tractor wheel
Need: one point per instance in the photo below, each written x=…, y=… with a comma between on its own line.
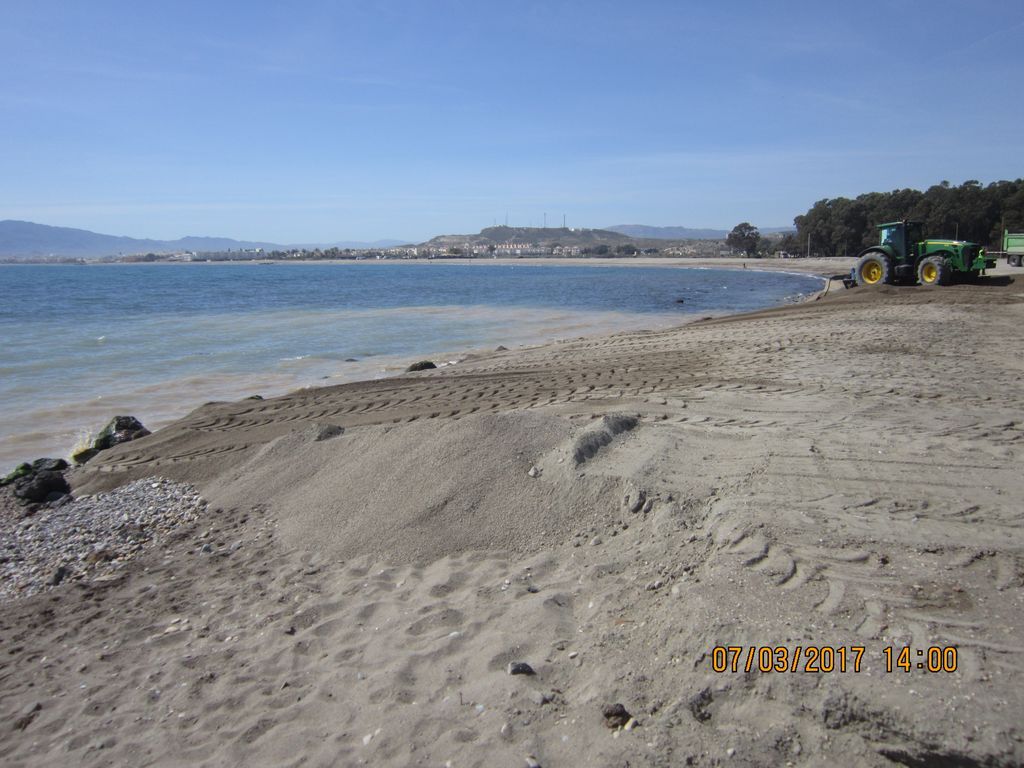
x=934, y=270
x=874, y=269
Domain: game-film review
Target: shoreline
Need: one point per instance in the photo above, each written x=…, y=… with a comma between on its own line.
x=818, y=265
x=386, y=366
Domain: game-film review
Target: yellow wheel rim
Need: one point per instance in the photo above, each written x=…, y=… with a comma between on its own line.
x=929, y=273
x=871, y=272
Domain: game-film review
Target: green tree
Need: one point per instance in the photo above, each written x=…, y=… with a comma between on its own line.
x=788, y=243
x=744, y=237
x=974, y=212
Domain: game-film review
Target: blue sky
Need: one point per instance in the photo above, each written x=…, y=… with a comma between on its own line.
x=323, y=121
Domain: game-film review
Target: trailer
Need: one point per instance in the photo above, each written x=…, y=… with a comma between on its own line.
x=1013, y=248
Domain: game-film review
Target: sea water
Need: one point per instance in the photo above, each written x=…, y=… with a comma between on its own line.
x=80, y=344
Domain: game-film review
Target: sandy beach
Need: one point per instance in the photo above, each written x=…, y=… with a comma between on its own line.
x=376, y=558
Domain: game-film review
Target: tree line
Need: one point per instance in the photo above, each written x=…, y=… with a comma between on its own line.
x=970, y=211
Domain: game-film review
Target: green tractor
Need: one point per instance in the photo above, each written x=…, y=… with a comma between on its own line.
x=903, y=256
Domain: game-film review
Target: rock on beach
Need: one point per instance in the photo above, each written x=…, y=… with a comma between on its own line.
x=120, y=429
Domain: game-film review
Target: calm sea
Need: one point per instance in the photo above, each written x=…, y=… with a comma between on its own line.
x=79, y=344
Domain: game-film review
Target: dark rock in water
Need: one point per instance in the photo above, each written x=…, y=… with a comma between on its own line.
x=38, y=487
x=351, y=360
x=615, y=715
x=520, y=668
x=501, y=348
x=422, y=365
x=22, y=470
x=121, y=429
x=254, y=397
x=680, y=301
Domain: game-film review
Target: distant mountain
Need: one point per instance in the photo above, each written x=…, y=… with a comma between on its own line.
x=572, y=236
x=644, y=232
x=24, y=239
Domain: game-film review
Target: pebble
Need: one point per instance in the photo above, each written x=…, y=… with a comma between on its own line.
x=531, y=762
x=615, y=715
x=520, y=668
x=91, y=537
x=638, y=504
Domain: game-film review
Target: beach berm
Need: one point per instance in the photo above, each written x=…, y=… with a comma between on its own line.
x=376, y=560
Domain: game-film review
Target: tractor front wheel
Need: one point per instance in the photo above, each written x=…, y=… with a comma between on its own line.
x=874, y=269
x=934, y=270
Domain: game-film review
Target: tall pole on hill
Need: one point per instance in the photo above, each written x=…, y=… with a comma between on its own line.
x=545, y=219
x=563, y=221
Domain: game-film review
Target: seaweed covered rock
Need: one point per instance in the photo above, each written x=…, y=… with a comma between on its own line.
x=42, y=480
x=25, y=470
x=120, y=429
x=22, y=470
x=41, y=486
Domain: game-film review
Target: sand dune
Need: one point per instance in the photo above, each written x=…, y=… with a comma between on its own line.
x=842, y=473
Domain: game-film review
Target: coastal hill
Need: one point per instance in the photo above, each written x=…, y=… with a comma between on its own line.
x=26, y=239
x=644, y=232
x=566, y=236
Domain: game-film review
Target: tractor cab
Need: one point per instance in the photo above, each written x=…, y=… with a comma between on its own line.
x=899, y=239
